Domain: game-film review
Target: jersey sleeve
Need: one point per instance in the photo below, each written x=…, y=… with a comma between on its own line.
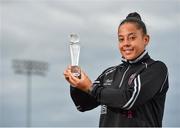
x=144, y=87
x=82, y=100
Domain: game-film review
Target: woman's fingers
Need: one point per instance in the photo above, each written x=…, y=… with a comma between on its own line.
x=82, y=83
x=67, y=73
x=70, y=78
x=74, y=81
x=83, y=75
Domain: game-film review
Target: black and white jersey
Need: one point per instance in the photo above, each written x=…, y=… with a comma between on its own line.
x=130, y=94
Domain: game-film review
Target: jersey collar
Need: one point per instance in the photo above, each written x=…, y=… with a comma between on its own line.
x=137, y=59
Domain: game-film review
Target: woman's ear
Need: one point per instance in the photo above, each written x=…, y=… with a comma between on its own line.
x=146, y=39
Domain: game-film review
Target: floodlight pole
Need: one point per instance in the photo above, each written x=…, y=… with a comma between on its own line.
x=29, y=100
x=29, y=68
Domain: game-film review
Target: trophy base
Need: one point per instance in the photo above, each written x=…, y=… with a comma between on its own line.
x=76, y=71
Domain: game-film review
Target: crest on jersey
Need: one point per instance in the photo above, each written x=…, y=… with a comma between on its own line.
x=131, y=78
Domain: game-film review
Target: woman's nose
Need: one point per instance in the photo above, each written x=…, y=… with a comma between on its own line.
x=126, y=42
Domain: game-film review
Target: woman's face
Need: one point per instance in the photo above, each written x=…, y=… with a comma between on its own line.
x=132, y=41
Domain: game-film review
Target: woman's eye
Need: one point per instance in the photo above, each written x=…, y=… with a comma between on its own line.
x=132, y=38
x=121, y=39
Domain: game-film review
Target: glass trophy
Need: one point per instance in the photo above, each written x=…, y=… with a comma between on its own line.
x=75, y=51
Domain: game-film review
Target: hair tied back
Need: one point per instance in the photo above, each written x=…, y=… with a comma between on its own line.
x=134, y=15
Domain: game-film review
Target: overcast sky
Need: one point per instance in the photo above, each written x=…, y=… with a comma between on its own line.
x=39, y=30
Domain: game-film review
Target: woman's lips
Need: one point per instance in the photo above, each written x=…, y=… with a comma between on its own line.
x=128, y=50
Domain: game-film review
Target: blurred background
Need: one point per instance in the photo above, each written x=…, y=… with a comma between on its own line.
x=34, y=51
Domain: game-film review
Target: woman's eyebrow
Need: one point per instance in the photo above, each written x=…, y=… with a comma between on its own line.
x=129, y=34
x=132, y=33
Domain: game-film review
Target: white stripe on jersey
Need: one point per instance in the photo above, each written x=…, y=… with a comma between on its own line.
x=137, y=87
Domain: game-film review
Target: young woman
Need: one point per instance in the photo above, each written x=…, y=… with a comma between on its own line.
x=130, y=94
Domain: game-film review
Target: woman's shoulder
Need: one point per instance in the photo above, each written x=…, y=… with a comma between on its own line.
x=160, y=65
